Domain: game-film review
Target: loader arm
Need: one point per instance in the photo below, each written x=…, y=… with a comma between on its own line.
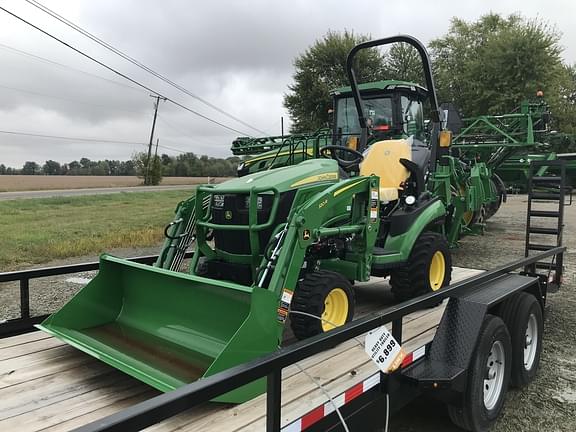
x=311, y=222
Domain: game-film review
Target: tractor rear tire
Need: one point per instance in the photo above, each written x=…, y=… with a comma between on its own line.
x=428, y=269
x=327, y=299
x=488, y=378
x=523, y=315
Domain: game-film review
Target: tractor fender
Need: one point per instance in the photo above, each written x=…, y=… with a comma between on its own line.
x=402, y=244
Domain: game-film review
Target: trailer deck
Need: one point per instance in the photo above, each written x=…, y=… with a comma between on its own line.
x=47, y=385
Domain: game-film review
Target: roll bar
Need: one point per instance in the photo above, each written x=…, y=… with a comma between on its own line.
x=435, y=112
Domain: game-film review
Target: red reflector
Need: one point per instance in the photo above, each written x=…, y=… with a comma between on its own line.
x=382, y=127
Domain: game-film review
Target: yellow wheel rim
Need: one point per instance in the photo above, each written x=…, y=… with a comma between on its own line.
x=437, y=270
x=335, y=309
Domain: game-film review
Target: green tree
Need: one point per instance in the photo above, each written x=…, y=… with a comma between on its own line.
x=127, y=168
x=402, y=62
x=51, y=168
x=74, y=168
x=322, y=68
x=489, y=66
x=100, y=168
x=148, y=170
x=86, y=165
x=2, y=169
x=563, y=106
x=30, y=168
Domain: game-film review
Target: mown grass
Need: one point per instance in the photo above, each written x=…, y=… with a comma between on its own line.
x=34, y=231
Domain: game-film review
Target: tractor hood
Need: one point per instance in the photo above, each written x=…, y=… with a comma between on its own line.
x=285, y=178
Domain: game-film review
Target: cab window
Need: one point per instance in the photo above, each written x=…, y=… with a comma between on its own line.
x=378, y=113
x=413, y=117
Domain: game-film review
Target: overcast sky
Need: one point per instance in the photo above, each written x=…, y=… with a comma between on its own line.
x=235, y=54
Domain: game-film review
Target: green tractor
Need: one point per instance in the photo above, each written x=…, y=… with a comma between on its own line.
x=284, y=243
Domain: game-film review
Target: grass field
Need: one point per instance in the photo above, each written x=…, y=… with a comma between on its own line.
x=36, y=231
x=13, y=183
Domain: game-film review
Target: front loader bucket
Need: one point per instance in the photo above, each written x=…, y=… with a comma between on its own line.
x=168, y=329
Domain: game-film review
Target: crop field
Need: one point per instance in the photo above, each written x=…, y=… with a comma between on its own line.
x=13, y=183
x=35, y=231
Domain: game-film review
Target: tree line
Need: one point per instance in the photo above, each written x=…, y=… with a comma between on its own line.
x=182, y=165
x=485, y=67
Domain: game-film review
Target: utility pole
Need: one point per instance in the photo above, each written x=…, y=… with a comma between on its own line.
x=147, y=170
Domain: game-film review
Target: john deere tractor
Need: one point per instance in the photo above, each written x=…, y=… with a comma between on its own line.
x=284, y=242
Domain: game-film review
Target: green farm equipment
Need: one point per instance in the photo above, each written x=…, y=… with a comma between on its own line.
x=496, y=141
x=286, y=242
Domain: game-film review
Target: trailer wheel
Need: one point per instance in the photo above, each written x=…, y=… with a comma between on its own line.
x=523, y=316
x=429, y=268
x=488, y=378
x=323, y=294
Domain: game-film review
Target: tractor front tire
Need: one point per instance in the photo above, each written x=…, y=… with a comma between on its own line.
x=428, y=269
x=326, y=300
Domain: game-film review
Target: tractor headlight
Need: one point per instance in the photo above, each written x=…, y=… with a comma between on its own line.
x=218, y=201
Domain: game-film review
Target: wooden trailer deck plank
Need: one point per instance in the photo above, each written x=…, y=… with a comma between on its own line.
x=48, y=385
x=99, y=413
x=112, y=389
x=32, y=395
x=40, y=364
x=29, y=348
x=22, y=339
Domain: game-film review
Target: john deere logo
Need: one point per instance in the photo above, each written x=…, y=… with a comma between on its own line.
x=228, y=215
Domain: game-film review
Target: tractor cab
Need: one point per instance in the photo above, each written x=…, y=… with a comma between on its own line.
x=393, y=110
x=396, y=147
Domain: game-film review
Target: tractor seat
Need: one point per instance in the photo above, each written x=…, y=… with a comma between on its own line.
x=383, y=159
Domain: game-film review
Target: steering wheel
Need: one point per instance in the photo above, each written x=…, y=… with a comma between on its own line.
x=345, y=164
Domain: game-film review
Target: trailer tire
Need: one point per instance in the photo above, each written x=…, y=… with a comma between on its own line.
x=323, y=294
x=416, y=277
x=484, y=397
x=522, y=314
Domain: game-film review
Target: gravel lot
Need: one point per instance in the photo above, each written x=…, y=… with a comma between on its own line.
x=548, y=404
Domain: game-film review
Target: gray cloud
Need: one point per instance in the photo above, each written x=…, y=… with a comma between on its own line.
x=236, y=54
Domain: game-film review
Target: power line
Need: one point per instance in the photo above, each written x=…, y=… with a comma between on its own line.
x=98, y=140
x=186, y=134
x=37, y=135
x=55, y=63
x=65, y=99
x=132, y=80
x=135, y=62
